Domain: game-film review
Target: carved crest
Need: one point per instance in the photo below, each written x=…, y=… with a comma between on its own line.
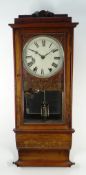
x=43, y=13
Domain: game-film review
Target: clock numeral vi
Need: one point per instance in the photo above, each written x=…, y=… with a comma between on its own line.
x=42, y=72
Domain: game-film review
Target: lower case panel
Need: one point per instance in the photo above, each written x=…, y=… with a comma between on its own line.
x=58, y=158
x=39, y=149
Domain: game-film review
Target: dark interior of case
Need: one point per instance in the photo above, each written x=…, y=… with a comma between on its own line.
x=42, y=106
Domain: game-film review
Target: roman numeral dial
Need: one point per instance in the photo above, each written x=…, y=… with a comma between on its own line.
x=43, y=56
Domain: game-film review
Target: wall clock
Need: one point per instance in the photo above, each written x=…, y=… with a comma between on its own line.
x=43, y=63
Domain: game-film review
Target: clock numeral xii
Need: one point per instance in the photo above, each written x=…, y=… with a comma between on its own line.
x=43, y=43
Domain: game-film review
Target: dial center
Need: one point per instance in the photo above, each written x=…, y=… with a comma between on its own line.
x=42, y=56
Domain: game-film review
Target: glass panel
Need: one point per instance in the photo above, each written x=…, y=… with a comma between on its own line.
x=42, y=106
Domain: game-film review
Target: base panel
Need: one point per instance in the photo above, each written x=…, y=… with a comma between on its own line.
x=44, y=158
x=37, y=163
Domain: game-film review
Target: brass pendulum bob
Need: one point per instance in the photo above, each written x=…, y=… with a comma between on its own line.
x=44, y=109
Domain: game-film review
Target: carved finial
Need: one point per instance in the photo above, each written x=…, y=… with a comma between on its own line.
x=43, y=13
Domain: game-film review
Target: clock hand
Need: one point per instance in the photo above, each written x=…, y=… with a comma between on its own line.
x=47, y=53
x=53, y=50
x=39, y=54
x=33, y=51
x=42, y=56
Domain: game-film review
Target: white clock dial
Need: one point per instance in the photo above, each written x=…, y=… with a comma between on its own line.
x=43, y=56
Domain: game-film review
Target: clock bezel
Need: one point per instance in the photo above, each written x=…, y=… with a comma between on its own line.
x=61, y=52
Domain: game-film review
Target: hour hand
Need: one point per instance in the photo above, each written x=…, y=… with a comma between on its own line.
x=33, y=51
x=36, y=52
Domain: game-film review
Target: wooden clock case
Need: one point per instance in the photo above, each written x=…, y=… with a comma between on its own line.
x=44, y=144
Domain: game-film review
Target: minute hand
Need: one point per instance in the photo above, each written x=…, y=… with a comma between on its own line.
x=49, y=52
x=33, y=51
